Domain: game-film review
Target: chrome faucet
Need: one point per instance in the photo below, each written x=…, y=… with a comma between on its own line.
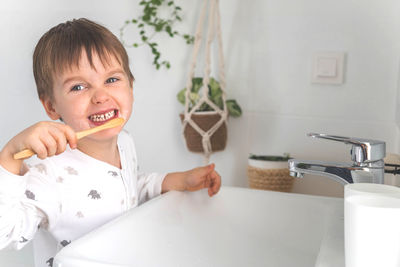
x=367, y=164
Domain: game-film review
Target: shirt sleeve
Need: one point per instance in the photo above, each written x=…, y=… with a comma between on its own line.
x=149, y=185
x=26, y=203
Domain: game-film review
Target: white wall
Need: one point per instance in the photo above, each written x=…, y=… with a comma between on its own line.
x=269, y=46
x=268, y=50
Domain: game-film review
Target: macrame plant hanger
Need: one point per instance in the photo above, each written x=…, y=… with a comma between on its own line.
x=213, y=24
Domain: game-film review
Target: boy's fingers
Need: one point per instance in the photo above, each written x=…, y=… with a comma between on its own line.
x=216, y=184
x=39, y=148
x=71, y=136
x=211, y=166
x=202, y=171
x=60, y=139
x=207, y=182
x=50, y=144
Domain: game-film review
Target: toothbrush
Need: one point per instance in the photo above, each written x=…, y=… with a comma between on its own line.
x=27, y=153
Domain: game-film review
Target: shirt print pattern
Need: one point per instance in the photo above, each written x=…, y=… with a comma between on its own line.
x=71, y=171
x=65, y=243
x=50, y=262
x=41, y=168
x=113, y=173
x=30, y=195
x=94, y=194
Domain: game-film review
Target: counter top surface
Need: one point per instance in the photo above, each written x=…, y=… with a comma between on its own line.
x=236, y=227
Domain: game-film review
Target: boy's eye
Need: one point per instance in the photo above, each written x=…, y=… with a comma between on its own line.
x=77, y=87
x=112, y=80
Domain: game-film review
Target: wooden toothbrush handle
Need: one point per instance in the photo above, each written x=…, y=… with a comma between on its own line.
x=26, y=153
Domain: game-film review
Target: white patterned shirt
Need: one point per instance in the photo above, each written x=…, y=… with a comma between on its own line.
x=63, y=197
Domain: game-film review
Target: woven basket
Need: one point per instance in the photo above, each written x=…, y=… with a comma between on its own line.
x=270, y=179
x=205, y=120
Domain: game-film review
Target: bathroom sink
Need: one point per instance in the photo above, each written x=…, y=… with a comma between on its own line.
x=236, y=227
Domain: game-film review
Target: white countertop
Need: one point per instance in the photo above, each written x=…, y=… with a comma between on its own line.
x=237, y=227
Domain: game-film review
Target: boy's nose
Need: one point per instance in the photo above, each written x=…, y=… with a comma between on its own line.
x=100, y=96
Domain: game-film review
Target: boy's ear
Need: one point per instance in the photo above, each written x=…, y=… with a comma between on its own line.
x=48, y=106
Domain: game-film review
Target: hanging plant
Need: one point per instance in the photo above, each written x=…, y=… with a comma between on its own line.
x=150, y=23
x=204, y=116
x=214, y=94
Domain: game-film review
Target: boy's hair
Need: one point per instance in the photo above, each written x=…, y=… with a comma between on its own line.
x=61, y=47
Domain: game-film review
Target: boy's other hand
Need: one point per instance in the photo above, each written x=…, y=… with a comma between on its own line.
x=203, y=177
x=45, y=138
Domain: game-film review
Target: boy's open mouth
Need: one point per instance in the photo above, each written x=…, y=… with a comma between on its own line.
x=100, y=118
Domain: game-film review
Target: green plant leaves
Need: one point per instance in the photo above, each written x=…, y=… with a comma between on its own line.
x=214, y=87
x=214, y=94
x=193, y=97
x=197, y=83
x=181, y=96
x=233, y=108
x=150, y=19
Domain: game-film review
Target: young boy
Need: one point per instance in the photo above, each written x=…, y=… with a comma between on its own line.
x=73, y=186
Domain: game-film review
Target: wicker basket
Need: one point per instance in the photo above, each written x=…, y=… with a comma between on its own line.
x=270, y=179
x=205, y=120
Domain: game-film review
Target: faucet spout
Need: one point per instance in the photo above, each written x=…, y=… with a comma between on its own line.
x=367, y=162
x=343, y=173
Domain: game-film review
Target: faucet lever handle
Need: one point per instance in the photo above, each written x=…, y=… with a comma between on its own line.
x=362, y=150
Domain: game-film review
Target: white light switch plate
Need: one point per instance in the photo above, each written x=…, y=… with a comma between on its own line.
x=328, y=68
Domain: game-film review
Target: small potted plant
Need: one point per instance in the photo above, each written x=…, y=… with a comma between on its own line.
x=205, y=117
x=269, y=172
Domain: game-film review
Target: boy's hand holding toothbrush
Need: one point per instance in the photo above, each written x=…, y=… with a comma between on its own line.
x=45, y=138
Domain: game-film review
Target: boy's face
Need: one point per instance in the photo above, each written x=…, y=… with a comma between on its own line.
x=86, y=97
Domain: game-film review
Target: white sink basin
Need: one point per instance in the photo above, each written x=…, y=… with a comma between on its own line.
x=237, y=227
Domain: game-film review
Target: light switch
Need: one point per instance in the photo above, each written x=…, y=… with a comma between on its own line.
x=328, y=68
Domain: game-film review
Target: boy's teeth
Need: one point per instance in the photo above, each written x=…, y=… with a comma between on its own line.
x=102, y=117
